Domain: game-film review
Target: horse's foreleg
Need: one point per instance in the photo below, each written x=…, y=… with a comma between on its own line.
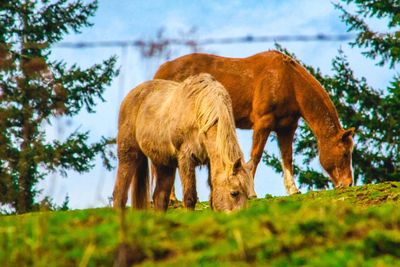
x=210, y=184
x=285, y=140
x=188, y=180
x=261, y=131
x=164, y=182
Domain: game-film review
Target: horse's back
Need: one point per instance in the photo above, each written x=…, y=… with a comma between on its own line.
x=182, y=67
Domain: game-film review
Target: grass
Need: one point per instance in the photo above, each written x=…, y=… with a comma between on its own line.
x=358, y=226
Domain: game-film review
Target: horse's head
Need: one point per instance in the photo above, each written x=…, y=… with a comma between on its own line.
x=335, y=157
x=230, y=192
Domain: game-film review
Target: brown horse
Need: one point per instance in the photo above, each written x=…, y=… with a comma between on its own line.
x=180, y=125
x=270, y=92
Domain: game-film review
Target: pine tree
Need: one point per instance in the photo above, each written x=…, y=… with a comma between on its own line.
x=34, y=90
x=374, y=112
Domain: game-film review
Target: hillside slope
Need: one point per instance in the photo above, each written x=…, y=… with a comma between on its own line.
x=359, y=226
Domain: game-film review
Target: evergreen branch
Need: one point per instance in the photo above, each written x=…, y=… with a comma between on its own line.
x=379, y=9
x=60, y=18
x=383, y=45
x=81, y=87
x=74, y=153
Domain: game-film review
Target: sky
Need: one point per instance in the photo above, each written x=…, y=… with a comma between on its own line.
x=134, y=19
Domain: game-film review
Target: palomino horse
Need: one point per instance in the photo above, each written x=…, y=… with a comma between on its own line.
x=270, y=92
x=180, y=125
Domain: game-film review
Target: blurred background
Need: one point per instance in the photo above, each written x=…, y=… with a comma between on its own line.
x=311, y=29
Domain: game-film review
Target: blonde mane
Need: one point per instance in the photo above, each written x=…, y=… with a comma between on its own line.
x=213, y=105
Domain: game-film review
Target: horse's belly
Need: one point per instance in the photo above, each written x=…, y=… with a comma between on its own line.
x=287, y=121
x=156, y=147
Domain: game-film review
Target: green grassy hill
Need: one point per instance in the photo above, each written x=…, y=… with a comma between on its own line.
x=359, y=226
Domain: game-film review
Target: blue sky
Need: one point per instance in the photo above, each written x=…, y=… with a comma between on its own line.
x=133, y=19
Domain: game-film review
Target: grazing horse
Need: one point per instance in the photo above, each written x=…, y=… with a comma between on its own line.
x=180, y=125
x=270, y=91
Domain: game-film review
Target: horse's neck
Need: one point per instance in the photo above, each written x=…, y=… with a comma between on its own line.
x=315, y=106
x=211, y=148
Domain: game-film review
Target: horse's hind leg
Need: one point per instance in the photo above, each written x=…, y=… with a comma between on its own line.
x=125, y=172
x=285, y=140
x=132, y=163
x=164, y=182
x=172, y=196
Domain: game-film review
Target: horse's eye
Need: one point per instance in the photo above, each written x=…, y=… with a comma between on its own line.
x=234, y=193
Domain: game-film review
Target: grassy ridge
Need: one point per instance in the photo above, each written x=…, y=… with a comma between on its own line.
x=359, y=226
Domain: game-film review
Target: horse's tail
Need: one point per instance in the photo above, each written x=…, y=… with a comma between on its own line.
x=152, y=178
x=140, y=185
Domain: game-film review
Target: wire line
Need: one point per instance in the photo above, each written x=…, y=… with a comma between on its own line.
x=209, y=41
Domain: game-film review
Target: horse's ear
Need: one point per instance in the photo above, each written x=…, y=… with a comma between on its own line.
x=348, y=133
x=236, y=166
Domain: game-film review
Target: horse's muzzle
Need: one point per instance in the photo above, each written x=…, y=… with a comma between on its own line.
x=252, y=196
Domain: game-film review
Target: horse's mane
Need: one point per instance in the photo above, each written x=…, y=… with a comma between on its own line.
x=213, y=105
x=333, y=119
